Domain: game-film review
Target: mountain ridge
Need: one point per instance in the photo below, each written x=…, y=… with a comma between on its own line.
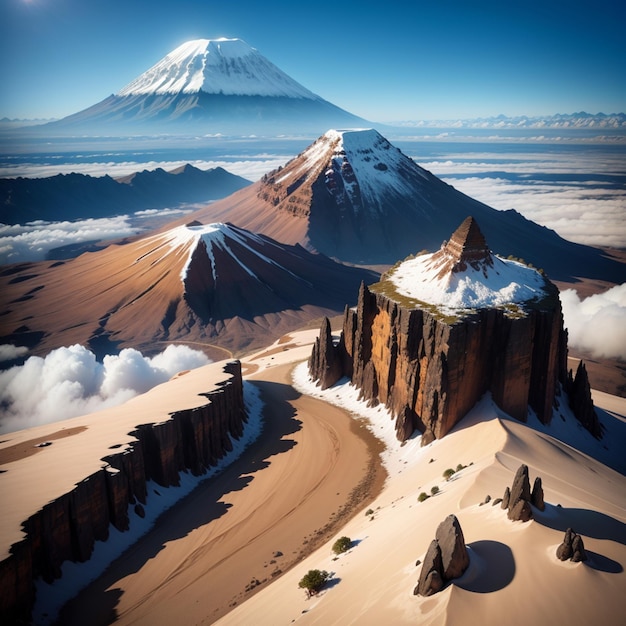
x=353, y=196
x=65, y=196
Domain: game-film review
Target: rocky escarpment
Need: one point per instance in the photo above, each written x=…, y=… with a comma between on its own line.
x=67, y=527
x=430, y=366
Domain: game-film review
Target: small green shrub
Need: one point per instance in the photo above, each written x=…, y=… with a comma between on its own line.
x=459, y=467
x=313, y=581
x=434, y=490
x=369, y=512
x=423, y=496
x=448, y=473
x=342, y=545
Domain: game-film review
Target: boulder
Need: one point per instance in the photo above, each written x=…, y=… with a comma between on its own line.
x=521, y=511
x=432, y=563
x=536, y=497
x=454, y=554
x=520, y=489
x=572, y=548
x=506, y=498
x=446, y=558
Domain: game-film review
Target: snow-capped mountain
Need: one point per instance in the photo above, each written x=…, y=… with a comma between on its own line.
x=211, y=86
x=219, y=66
x=214, y=284
x=354, y=196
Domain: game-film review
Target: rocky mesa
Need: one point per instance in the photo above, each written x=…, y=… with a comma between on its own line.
x=440, y=330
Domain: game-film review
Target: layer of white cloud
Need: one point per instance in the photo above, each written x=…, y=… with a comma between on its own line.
x=69, y=381
x=597, y=324
x=32, y=241
x=8, y=352
x=580, y=213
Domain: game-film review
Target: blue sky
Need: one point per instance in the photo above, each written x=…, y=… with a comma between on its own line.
x=384, y=60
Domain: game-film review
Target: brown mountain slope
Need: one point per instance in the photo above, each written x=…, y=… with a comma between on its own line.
x=217, y=285
x=355, y=197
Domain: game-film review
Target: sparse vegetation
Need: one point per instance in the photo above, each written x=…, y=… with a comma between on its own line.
x=342, y=545
x=369, y=512
x=460, y=467
x=434, y=490
x=313, y=581
x=449, y=473
x=423, y=496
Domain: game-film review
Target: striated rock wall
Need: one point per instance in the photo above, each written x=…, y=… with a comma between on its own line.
x=66, y=528
x=431, y=371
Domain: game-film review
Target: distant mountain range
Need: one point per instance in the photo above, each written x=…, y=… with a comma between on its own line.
x=74, y=196
x=355, y=197
x=613, y=121
x=208, y=86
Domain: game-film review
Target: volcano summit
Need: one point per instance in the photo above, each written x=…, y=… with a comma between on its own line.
x=211, y=86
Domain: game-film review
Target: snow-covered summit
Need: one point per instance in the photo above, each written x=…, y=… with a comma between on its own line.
x=216, y=66
x=464, y=274
x=362, y=170
x=219, y=238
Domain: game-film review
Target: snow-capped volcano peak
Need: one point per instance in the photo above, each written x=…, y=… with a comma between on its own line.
x=216, y=66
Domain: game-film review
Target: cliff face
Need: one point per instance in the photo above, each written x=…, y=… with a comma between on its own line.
x=430, y=368
x=430, y=373
x=66, y=528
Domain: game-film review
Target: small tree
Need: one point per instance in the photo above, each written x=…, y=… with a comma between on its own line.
x=423, y=496
x=448, y=473
x=342, y=545
x=313, y=581
x=434, y=490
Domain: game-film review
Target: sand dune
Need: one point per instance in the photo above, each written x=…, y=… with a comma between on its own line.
x=274, y=513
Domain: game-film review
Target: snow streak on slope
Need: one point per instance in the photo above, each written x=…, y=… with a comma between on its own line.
x=370, y=168
x=507, y=282
x=216, y=66
x=219, y=237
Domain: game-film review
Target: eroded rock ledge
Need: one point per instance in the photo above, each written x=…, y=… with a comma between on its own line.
x=67, y=527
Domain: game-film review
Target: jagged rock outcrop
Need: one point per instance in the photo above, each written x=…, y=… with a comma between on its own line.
x=430, y=366
x=446, y=558
x=579, y=392
x=519, y=498
x=325, y=360
x=536, y=496
x=572, y=548
x=67, y=527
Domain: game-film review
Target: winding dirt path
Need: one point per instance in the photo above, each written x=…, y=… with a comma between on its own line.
x=309, y=471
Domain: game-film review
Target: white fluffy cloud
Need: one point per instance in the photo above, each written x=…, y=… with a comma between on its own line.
x=597, y=324
x=9, y=352
x=567, y=192
x=32, y=241
x=70, y=382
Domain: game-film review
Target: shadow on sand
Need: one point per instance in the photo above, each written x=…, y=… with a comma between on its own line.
x=202, y=506
x=585, y=522
x=492, y=567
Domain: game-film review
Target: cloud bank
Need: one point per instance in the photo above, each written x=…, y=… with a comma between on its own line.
x=32, y=241
x=597, y=324
x=69, y=382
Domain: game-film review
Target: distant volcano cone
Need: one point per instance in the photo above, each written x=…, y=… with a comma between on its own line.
x=216, y=86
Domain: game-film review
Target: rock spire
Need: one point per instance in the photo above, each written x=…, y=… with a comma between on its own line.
x=467, y=246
